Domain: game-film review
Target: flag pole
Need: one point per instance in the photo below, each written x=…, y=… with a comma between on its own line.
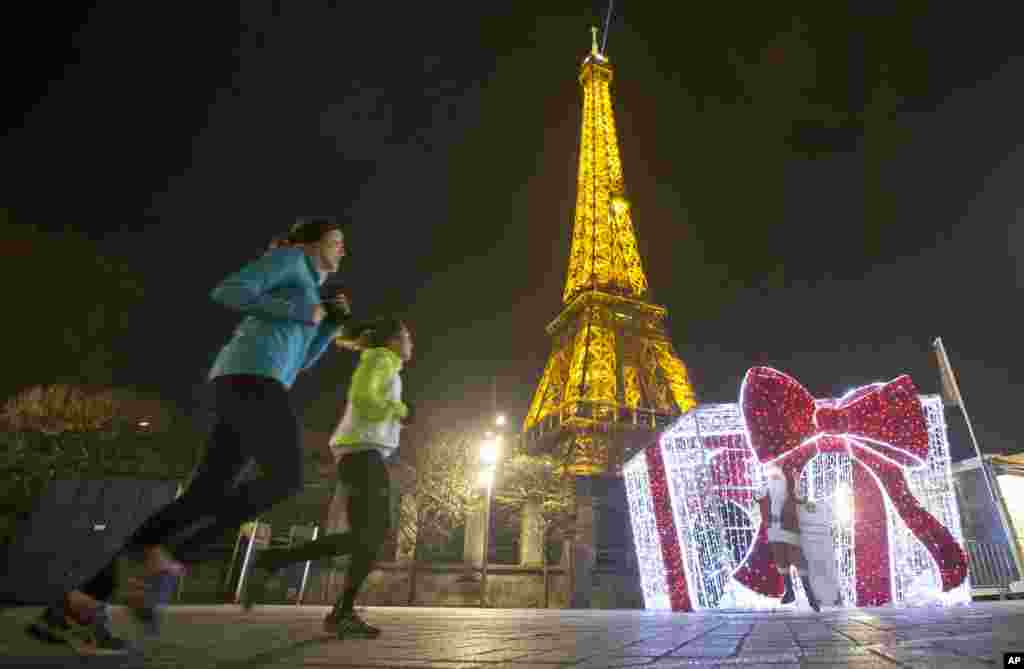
x=952, y=392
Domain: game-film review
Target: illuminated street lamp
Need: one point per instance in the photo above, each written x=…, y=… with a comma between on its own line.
x=489, y=451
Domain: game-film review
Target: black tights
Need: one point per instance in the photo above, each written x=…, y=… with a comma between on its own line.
x=369, y=516
x=255, y=422
x=101, y=586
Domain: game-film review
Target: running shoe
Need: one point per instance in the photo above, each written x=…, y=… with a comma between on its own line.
x=351, y=626
x=55, y=628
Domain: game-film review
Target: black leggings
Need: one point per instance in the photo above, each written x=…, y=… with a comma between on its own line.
x=254, y=421
x=369, y=516
x=101, y=586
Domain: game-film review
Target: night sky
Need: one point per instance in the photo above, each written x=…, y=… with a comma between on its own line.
x=820, y=191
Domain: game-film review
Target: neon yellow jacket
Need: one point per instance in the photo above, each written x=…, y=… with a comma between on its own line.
x=374, y=409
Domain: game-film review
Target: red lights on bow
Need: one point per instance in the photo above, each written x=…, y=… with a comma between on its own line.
x=884, y=430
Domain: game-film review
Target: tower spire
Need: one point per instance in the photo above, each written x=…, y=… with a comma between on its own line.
x=604, y=254
x=607, y=26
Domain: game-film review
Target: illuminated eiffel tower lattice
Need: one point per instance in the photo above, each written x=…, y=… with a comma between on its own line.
x=613, y=378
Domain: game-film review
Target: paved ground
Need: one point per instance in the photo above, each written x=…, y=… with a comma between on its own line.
x=223, y=637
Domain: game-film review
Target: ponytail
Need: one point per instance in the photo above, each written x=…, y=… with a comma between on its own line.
x=375, y=333
x=311, y=230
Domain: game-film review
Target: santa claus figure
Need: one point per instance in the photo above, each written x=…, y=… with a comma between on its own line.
x=780, y=502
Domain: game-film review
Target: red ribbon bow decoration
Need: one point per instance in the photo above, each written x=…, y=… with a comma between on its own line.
x=883, y=429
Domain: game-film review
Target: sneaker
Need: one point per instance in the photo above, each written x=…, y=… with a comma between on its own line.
x=53, y=627
x=333, y=616
x=108, y=642
x=50, y=627
x=350, y=625
x=331, y=622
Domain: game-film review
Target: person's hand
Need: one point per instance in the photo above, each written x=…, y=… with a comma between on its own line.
x=408, y=420
x=319, y=313
x=338, y=306
x=350, y=343
x=340, y=301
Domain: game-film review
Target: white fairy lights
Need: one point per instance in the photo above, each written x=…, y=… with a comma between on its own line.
x=713, y=479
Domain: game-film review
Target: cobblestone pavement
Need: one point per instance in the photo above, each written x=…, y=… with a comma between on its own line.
x=224, y=637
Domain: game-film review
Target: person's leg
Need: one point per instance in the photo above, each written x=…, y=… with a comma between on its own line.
x=101, y=588
x=780, y=553
x=801, y=563
x=268, y=432
x=81, y=621
x=255, y=421
x=369, y=513
x=225, y=458
x=352, y=476
x=354, y=473
x=329, y=545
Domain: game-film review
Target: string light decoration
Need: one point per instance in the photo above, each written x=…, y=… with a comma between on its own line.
x=646, y=540
x=877, y=459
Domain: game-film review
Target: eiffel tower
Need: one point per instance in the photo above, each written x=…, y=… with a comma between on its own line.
x=613, y=379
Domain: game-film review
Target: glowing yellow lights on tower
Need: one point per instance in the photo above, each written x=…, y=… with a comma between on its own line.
x=611, y=354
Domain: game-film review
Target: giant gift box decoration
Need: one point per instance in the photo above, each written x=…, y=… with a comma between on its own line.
x=875, y=461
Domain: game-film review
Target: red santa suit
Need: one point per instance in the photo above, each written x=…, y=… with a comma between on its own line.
x=779, y=503
x=783, y=521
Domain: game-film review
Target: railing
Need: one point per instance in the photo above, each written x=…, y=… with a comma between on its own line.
x=991, y=566
x=583, y=411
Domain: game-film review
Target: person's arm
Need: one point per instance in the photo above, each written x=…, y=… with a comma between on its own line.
x=249, y=290
x=368, y=388
x=328, y=329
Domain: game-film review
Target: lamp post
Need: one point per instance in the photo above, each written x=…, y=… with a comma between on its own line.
x=489, y=451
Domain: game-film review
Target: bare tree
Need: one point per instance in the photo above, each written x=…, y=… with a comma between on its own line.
x=541, y=485
x=437, y=492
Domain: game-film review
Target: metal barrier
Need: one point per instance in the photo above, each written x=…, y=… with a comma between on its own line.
x=991, y=567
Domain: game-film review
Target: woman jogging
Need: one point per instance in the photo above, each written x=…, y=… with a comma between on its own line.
x=367, y=436
x=286, y=328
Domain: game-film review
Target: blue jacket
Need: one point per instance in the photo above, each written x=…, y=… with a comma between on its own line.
x=277, y=338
